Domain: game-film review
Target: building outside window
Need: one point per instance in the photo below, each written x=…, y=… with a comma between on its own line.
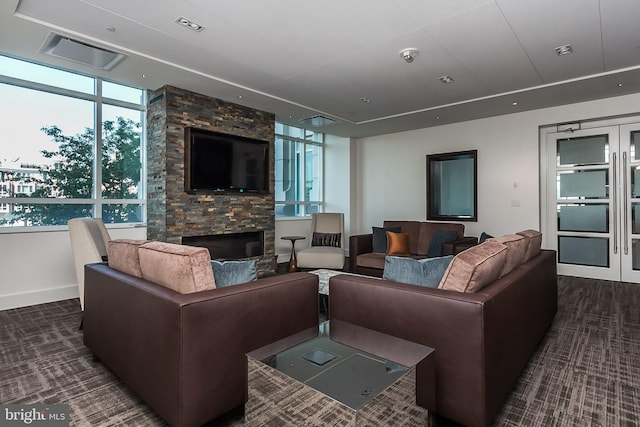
x=71, y=146
x=298, y=171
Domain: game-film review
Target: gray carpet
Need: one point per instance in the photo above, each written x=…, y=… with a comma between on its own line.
x=586, y=372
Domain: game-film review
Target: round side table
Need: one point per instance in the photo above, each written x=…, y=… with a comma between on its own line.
x=293, y=266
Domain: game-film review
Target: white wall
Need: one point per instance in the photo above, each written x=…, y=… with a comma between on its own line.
x=37, y=267
x=392, y=168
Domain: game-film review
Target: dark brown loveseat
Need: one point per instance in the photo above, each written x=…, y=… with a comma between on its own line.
x=482, y=340
x=363, y=259
x=184, y=354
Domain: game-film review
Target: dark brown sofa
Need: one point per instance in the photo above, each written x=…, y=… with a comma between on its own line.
x=362, y=259
x=184, y=354
x=482, y=340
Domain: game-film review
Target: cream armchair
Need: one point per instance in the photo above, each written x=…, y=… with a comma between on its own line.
x=89, y=238
x=326, y=248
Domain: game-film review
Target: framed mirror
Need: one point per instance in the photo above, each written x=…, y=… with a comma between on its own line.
x=452, y=186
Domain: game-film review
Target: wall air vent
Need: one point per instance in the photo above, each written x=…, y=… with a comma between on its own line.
x=80, y=52
x=318, y=121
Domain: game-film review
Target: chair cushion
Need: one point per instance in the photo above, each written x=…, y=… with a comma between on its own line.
x=424, y=272
x=321, y=257
x=397, y=243
x=516, y=248
x=379, y=238
x=475, y=268
x=440, y=237
x=185, y=269
x=326, y=239
x=227, y=273
x=534, y=242
x=123, y=255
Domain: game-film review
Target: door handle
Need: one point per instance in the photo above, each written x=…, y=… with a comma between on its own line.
x=625, y=205
x=614, y=197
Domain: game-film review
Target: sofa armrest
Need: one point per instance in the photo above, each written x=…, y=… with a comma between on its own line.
x=359, y=244
x=454, y=247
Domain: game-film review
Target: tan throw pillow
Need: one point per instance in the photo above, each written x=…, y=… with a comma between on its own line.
x=397, y=243
x=123, y=255
x=516, y=248
x=185, y=269
x=475, y=268
x=534, y=242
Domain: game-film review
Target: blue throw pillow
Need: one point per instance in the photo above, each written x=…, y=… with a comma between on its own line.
x=440, y=237
x=484, y=236
x=229, y=273
x=379, y=243
x=424, y=272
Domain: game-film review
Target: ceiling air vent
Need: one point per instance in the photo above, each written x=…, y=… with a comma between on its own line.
x=318, y=121
x=82, y=53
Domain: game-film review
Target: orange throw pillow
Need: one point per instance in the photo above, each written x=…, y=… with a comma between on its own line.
x=397, y=243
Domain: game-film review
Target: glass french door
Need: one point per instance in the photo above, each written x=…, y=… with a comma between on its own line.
x=594, y=219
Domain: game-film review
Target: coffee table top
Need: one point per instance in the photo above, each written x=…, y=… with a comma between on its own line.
x=347, y=362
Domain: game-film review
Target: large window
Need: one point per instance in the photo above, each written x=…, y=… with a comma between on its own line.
x=298, y=171
x=70, y=146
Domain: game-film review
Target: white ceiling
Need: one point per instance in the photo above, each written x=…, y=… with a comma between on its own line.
x=301, y=59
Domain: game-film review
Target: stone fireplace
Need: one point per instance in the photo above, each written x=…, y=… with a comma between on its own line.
x=177, y=217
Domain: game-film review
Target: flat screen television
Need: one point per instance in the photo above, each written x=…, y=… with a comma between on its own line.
x=219, y=162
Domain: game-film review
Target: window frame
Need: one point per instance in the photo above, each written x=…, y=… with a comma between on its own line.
x=97, y=200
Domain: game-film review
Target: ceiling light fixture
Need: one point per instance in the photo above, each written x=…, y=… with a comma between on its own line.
x=365, y=99
x=564, y=50
x=409, y=54
x=446, y=79
x=189, y=24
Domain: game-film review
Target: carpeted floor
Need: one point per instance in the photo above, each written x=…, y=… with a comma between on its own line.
x=586, y=372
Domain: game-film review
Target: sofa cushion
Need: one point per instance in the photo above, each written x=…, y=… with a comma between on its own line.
x=123, y=255
x=534, y=242
x=440, y=237
x=475, y=268
x=428, y=230
x=227, y=273
x=424, y=272
x=185, y=269
x=484, y=236
x=410, y=227
x=516, y=248
x=326, y=239
x=379, y=238
x=397, y=243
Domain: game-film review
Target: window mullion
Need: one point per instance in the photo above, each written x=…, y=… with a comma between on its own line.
x=97, y=154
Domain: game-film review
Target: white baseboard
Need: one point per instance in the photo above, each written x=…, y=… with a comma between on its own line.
x=40, y=296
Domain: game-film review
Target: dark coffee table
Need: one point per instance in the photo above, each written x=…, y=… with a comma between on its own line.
x=339, y=374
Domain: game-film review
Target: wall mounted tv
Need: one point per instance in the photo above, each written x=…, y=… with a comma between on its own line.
x=219, y=162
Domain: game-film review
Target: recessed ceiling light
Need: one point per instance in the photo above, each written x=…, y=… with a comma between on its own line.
x=446, y=79
x=564, y=50
x=365, y=99
x=620, y=84
x=189, y=24
x=514, y=103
